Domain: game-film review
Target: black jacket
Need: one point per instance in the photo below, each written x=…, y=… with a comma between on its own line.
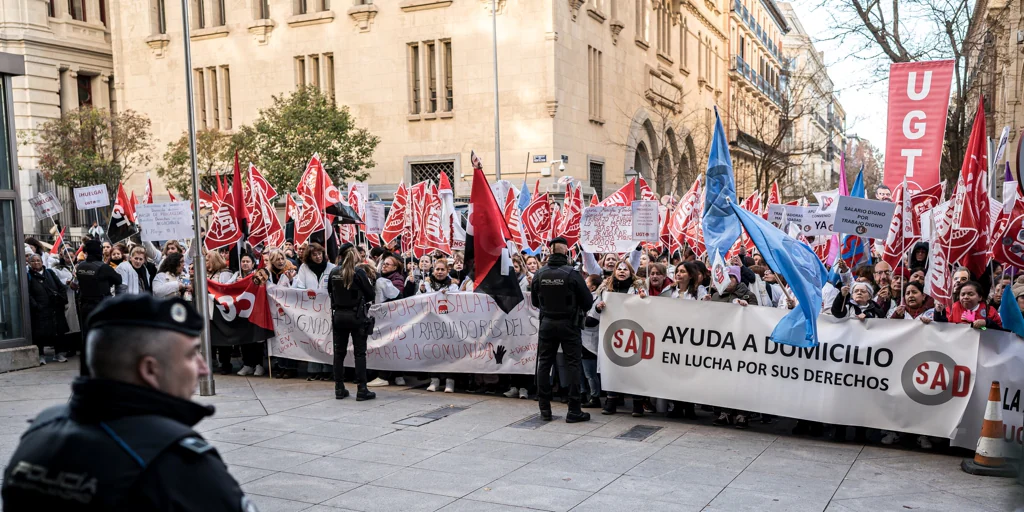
x=47, y=297
x=841, y=306
x=575, y=285
x=118, y=446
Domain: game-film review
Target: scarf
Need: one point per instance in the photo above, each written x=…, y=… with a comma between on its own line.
x=317, y=268
x=439, y=285
x=621, y=286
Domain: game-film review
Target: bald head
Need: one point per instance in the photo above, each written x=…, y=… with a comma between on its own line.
x=558, y=248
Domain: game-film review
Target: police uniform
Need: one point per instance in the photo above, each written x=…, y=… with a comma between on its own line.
x=95, y=279
x=118, y=446
x=348, y=307
x=562, y=296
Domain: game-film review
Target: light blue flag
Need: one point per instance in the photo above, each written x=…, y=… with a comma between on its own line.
x=1009, y=312
x=721, y=229
x=524, y=198
x=801, y=269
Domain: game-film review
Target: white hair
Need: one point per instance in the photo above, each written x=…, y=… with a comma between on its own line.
x=871, y=289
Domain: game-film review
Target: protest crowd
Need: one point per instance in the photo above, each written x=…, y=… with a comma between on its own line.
x=426, y=247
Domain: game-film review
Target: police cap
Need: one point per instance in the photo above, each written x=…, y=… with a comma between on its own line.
x=558, y=240
x=142, y=310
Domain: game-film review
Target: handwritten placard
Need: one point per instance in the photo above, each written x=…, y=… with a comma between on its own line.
x=646, y=222
x=87, y=198
x=864, y=217
x=45, y=204
x=374, y=218
x=607, y=229
x=165, y=221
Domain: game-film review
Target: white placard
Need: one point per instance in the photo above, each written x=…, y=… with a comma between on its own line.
x=719, y=273
x=865, y=218
x=817, y=223
x=887, y=374
x=165, y=221
x=607, y=229
x=646, y=222
x=796, y=214
x=827, y=200
x=45, y=204
x=374, y=218
x=777, y=215
x=1009, y=195
x=87, y=198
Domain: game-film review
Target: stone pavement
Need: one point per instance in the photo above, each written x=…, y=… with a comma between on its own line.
x=294, y=448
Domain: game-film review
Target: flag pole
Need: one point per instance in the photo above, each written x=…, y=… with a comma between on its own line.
x=497, y=118
x=206, y=386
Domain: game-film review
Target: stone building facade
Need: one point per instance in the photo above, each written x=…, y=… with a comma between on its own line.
x=68, y=63
x=606, y=86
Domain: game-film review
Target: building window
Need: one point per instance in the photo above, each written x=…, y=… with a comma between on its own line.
x=446, y=77
x=432, y=170
x=715, y=55
x=431, y=77
x=300, y=72
x=329, y=74
x=76, y=8
x=225, y=93
x=700, y=57
x=103, y=12
x=301, y=6
x=594, y=78
x=213, y=97
x=664, y=28
x=314, y=71
x=51, y=8
x=311, y=6
x=159, y=14
x=683, y=47
x=199, y=13
x=414, y=79
x=199, y=90
x=597, y=178
x=642, y=21
x=221, y=14
x=84, y=91
x=263, y=9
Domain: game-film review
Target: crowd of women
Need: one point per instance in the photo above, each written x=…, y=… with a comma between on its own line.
x=866, y=291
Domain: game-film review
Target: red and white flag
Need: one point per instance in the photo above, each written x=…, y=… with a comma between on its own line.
x=312, y=193
x=132, y=203
x=224, y=228
x=207, y=201
x=147, y=196
x=536, y=221
x=572, y=215
x=171, y=196
x=431, y=237
x=256, y=179
x=511, y=214
x=394, y=225
x=356, y=200
x=594, y=201
x=291, y=210
x=939, y=278
x=646, y=194
x=488, y=247
x=417, y=205
x=682, y=216
x=56, y=243
x=624, y=196
x=970, y=205
x=905, y=228
x=1008, y=243
x=774, y=197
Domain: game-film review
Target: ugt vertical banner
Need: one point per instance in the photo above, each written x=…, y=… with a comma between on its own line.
x=918, y=103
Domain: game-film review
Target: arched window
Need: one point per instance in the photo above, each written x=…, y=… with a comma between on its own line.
x=641, y=161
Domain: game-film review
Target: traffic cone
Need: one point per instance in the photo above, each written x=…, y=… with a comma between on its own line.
x=988, y=460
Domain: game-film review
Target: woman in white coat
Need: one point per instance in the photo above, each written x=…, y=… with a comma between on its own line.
x=312, y=275
x=135, y=276
x=168, y=282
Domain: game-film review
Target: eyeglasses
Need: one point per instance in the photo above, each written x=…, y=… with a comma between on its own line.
x=883, y=272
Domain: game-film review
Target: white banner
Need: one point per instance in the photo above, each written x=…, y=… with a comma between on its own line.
x=817, y=223
x=864, y=217
x=374, y=218
x=87, y=198
x=165, y=221
x=777, y=215
x=646, y=222
x=1000, y=358
x=439, y=332
x=607, y=229
x=887, y=374
x=45, y=205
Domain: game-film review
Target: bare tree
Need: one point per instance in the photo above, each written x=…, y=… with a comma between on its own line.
x=917, y=30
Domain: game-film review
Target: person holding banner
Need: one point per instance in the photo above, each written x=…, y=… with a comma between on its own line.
x=434, y=281
x=688, y=283
x=563, y=298
x=351, y=294
x=856, y=301
x=970, y=308
x=96, y=281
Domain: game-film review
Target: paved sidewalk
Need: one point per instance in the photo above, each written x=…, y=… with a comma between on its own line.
x=294, y=448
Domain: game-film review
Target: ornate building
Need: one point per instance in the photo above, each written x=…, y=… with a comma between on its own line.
x=68, y=63
x=606, y=86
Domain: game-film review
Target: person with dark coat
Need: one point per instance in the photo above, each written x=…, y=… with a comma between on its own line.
x=96, y=282
x=856, y=301
x=919, y=257
x=351, y=292
x=736, y=292
x=125, y=441
x=391, y=269
x=47, y=297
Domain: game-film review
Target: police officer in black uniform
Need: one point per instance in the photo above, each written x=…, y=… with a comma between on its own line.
x=351, y=293
x=95, y=279
x=561, y=294
x=125, y=440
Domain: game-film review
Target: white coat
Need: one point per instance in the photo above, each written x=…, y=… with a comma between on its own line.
x=305, y=279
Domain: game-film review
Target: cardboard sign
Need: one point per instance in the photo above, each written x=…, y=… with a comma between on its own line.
x=818, y=223
x=796, y=214
x=865, y=218
x=165, y=221
x=646, y=223
x=45, y=204
x=87, y=198
x=607, y=229
x=374, y=218
x=777, y=215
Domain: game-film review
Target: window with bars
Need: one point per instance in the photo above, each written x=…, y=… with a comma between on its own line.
x=597, y=178
x=432, y=170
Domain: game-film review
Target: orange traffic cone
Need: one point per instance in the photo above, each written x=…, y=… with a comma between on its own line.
x=988, y=459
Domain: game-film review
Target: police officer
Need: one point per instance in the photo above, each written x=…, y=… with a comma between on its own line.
x=351, y=292
x=561, y=294
x=95, y=280
x=125, y=439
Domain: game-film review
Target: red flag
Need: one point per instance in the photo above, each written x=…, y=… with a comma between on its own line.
x=122, y=219
x=224, y=228
x=221, y=192
x=536, y=188
x=396, y=221
x=511, y=214
x=443, y=182
x=132, y=202
x=238, y=199
x=475, y=160
x=938, y=280
x=594, y=201
x=265, y=224
x=256, y=179
x=970, y=205
x=572, y=216
x=242, y=299
x=1008, y=247
x=694, y=232
x=417, y=206
x=487, y=247
x=312, y=218
x=646, y=194
x=356, y=200
x=291, y=211
x=56, y=244
x=309, y=182
x=207, y=201
x=431, y=237
x=623, y=196
x=171, y=196
x=905, y=228
x=773, y=198
x=683, y=215
x=147, y=196
x=536, y=221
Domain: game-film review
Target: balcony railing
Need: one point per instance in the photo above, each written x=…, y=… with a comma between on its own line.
x=756, y=79
x=762, y=34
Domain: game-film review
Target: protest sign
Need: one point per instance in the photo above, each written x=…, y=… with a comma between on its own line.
x=777, y=215
x=918, y=105
x=438, y=332
x=645, y=220
x=1000, y=358
x=817, y=223
x=901, y=377
x=607, y=229
x=374, y=218
x=87, y=198
x=865, y=218
x=45, y=204
x=165, y=221
x=796, y=214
